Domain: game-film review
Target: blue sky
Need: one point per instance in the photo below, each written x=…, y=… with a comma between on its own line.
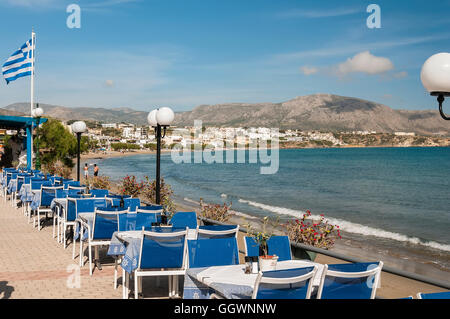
x=147, y=53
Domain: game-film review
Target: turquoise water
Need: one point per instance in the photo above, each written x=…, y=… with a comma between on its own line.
x=400, y=194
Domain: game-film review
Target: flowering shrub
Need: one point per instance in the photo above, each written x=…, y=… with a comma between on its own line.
x=261, y=237
x=58, y=168
x=217, y=212
x=314, y=233
x=166, y=192
x=101, y=182
x=129, y=186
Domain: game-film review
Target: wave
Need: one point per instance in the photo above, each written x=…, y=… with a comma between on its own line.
x=351, y=227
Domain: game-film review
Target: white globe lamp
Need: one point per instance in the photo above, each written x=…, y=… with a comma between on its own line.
x=79, y=127
x=165, y=116
x=151, y=118
x=435, y=76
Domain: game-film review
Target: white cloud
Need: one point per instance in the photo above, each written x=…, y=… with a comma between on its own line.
x=309, y=70
x=364, y=62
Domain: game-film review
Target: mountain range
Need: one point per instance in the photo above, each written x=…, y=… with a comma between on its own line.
x=325, y=112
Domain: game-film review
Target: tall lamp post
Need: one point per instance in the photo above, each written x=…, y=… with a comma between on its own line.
x=160, y=119
x=435, y=78
x=37, y=113
x=78, y=127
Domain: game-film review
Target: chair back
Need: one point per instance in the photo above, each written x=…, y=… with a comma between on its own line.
x=350, y=281
x=62, y=193
x=69, y=182
x=48, y=194
x=81, y=189
x=213, y=252
x=184, y=219
x=99, y=192
x=163, y=250
x=217, y=231
x=106, y=223
x=137, y=221
x=36, y=184
x=277, y=245
x=76, y=206
x=132, y=203
x=151, y=210
x=284, y=284
x=436, y=295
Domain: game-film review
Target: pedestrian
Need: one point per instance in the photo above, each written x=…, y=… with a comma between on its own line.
x=95, y=170
x=86, y=171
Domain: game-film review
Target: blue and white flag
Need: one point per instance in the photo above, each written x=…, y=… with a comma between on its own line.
x=19, y=63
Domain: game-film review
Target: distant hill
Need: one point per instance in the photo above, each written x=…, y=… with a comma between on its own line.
x=319, y=112
x=115, y=115
x=324, y=112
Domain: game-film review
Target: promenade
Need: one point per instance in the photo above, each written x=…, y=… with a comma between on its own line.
x=34, y=265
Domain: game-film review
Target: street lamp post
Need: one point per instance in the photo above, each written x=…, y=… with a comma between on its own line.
x=435, y=78
x=78, y=127
x=37, y=113
x=160, y=119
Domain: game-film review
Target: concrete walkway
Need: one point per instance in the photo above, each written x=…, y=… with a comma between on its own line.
x=34, y=265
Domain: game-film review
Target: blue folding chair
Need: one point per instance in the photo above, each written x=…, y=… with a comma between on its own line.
x=99, y=192
x=436, y=295
x=184, y=219
x=132, y=203
x=152, y=210
x=48, y=193
x=213, y=252
x=350, y=281
x=217, y=231
x=161, y=254
x=137, y=221
x=105, y=224
x=277, y=245
x=285, y=284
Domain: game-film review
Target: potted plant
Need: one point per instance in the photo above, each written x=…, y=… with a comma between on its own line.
x=266, y=262
x=316, y=233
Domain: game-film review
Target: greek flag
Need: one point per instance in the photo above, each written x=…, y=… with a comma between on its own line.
x=19, y=63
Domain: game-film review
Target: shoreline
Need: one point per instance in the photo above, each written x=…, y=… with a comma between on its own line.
x=113, y=154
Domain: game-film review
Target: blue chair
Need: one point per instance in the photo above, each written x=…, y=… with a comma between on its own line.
x=161, y=254
x=277, y=245
x=285, y=284
x=69, y=182
x=99, y=192
x=137, y=221
x=213, y=252
x=184, y=219
x=152, y=210
x=105, y=224
x=48, y=193
x=80, y=189
x=76, y=206
x=350, y=281
x=217, y=231
x=436, y=295
x=132, y=203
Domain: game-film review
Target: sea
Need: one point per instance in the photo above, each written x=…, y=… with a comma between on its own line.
x=391, y=203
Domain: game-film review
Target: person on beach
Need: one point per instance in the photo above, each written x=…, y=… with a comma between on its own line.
x=86, y=171
x=95, y=170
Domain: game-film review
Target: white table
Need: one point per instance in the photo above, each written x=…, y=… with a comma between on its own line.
x=233, y=282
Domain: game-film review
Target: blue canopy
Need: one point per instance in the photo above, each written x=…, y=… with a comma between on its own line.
x=21, y=122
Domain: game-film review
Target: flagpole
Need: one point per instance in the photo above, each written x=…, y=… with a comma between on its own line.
x=33, y=45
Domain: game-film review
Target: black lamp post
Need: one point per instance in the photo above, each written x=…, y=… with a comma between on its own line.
x=159, y=119
x=435, y=78
x=78, y=127
x=37, y=113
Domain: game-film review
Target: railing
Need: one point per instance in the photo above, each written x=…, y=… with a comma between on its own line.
x=398, y=272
